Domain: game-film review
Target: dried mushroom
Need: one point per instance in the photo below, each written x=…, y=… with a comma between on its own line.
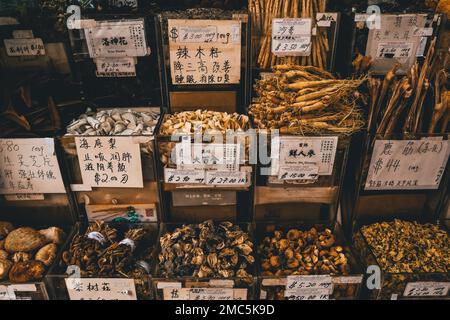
x=24, y=240
x=297, y=252
x=114, y=122
x=409, y=247
x=206, y=250
x=3, y=254
x=5, y=266
x=53, y=235
x=5, y=228
x=106, y=250
x=47, y=254
x=22, y=272
x=201, y=121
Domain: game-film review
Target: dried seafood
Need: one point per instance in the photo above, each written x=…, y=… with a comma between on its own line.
x=263, y=11
x=27, y=252
x=114, y=122
x=201, y=121
x=409, y=247
x=206, y=250
x=99, y=253
x=303, y=100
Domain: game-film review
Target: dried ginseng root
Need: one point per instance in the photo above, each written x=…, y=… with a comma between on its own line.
x=307, y=100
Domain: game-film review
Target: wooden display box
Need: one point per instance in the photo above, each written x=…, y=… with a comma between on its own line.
x=343, y=287
x=184, y=287
x=315, y=200
x=58, y=278
x=108, y=203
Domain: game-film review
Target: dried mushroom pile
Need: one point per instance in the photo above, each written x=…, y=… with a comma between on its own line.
x=264, y=11
x=114, y=122
x=110, y=251
x=203, y=121
x=26, y=253
x=304, y=100
x=416, y=103
x=206, y=250
x=298, y=252
x=402, y=246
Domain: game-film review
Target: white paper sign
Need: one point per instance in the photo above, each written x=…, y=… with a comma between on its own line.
x=101, y=289
x=29, y=166
x=24, y=47
x=114, y=39
x=204, y=294
x=115, y=67
x=307, y=294
x=24, y=197
x=427, y=289
x=205, y=52
x=4, y=293
x=184, y=176
x=395, y=50
x=221, y=178
x=113, y=162
x=291, y=37
x=303, y=156
x=324, y=19
x=223, y=157
x=310, y=282
x=407, y=164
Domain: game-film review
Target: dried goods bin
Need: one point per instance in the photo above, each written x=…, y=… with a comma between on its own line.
x=314, y=286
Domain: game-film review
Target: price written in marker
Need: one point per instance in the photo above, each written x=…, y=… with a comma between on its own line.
x=101, y=289
x=291, y=37
x=24, y=47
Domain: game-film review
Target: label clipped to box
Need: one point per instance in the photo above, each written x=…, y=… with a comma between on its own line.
x=117, y=39
x=184, y=176
x=227, y=178
x=318, y=287
x=24, y=47
x=223, y=157
x=115, y=67
x=113, y=162
x=426, y=289
x=291, y=36
x=205, y=294
x=324, y=19
x=407, y=164
x=101, y=289
x=29, y=166
x=204, y=52
x=306, y=158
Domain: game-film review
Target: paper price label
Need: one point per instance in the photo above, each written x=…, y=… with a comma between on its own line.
x=235, y=178
x=407, y=164
x=114, y=39
x=299, y=173
x=291, y=37
x=324, y=19
x=101, y=289
x=427, y=289
x=395, y=50
x=24, y=197
x=113, y=162
x=223, y=157
x=205, y=52
x=303, y=156
x=29, y=166
x=24, y=47
x=184, y=176
x=204, y=294
x=307, y=294
x=321, y=282
x=115, y=67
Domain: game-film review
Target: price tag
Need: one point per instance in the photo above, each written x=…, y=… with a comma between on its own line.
x=114, y=39
x=184, y=176
x=407, y=164
x=427, y=289
x=423, y=32
x=29, y=166
x=309, y=172
x=307, y=294
x=23, y=34
x=221, y=178
x=291, y=37
x=24, y=197
x=4, y=293
x=115, y=67
x=205, y=52
x=324, y=19
x=308, y=157
x=113, y=162
x=101, y=289
x=24, y=47
x=395, y=50
x=223, y=157
x=348, y=279
x=323, y=282
x=204, y=294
